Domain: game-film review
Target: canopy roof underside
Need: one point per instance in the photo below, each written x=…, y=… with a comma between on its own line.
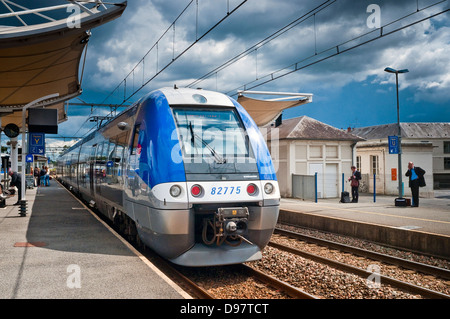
x=265, y=111
x=39, y=60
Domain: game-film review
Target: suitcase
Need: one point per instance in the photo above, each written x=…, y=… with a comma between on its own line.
x=401, y=202
x=345, y=197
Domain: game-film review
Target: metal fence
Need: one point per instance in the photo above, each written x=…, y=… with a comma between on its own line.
x=312, y=187
x=317, y=186
x=304, y=187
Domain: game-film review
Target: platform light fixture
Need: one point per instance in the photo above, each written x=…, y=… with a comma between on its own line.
x=400, y=182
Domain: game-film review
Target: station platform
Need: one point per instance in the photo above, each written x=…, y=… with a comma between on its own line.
x=60, y=250
x=425, y=228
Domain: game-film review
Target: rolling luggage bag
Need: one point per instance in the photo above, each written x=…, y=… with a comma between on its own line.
x=345, y=197
x=400, y=202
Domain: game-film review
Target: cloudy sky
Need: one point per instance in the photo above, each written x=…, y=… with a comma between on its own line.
x=350, y=88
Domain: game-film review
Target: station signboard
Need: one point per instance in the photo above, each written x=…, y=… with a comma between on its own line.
x=393, y=145
x=36, y=143
x=29, y=158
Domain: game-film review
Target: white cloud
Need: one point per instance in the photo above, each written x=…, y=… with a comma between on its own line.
x=421, y=48
x=106, y=65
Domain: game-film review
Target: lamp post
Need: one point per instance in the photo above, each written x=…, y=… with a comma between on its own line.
x=400, y=188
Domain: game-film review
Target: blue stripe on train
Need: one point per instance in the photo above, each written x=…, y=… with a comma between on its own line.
x=159, y=140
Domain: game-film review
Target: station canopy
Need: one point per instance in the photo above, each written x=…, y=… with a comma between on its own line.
x=264, y=111
x=40, y=59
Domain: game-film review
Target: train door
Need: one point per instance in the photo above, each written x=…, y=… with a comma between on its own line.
x=98, y=166
x=132, y=172
x=78, y=169
x=91, y=169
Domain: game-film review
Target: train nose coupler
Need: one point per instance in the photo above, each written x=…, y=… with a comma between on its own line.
x=228, y=225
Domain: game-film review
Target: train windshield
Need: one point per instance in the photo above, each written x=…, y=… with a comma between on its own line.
x=214, y=141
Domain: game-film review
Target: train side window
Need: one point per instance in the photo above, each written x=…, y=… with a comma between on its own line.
x=98, y=164
x=115, y=159
x=93, y=150
x=135, y=139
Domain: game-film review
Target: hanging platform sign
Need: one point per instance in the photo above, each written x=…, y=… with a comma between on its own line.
x=36, y=143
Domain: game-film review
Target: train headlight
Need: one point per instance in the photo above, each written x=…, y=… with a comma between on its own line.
x=175, y=190
x=196, y=190
x=252, y=189
x=268, y=188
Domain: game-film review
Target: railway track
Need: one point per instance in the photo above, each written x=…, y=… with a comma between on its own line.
x=242, y=281
x=247, y=277
x=424, y=268
x=237, y=282
x=406, y=286
x=281, y=285
x=184, y=275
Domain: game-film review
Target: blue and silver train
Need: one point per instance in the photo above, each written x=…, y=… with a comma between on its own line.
x=186, y=172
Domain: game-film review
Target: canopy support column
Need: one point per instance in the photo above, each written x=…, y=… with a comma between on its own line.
x=24, y=150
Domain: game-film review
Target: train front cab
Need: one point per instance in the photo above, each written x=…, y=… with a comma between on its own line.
x=195, y=195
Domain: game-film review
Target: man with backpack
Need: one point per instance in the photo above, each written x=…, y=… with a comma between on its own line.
x=354, y=183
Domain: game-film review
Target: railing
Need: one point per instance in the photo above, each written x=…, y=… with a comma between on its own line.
x=87, y=6
x=318, y=185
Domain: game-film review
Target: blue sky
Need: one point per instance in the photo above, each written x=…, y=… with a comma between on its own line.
x=350, y=89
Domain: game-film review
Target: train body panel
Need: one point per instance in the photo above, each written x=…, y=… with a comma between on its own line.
x=189, y=168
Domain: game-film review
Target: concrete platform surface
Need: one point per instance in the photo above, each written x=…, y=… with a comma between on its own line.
x=60, y=250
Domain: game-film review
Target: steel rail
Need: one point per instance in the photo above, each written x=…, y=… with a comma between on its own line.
x=363, y=273
x=413, y=265
x=276, y=283
x=197, y=290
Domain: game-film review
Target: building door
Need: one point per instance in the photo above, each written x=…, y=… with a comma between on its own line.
x=317, y=168
x=331, y=181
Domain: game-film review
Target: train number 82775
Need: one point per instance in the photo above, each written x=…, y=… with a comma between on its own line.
x=226, y=190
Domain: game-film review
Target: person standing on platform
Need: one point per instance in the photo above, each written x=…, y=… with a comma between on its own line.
x=42, y=175
x=354, y=183
x=16, y=180
x=47, y=176
x=416, y=180
x=36, y=176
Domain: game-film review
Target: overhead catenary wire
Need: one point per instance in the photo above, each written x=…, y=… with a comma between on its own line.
x=184, y=51
x=292, y=68
x=261, y=79
x=265, y=41
x=174, y=57
x=156, y=47
x=124, y=81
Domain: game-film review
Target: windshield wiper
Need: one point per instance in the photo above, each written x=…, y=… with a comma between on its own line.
x=218, y=158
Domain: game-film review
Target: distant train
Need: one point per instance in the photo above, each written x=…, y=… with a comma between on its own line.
x=186, y=172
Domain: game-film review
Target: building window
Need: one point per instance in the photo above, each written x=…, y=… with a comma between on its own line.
x=374, y=164
x=446, y=162
x=447, y=147
x=315, y=151
x=332, y=151
x=358, y=163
